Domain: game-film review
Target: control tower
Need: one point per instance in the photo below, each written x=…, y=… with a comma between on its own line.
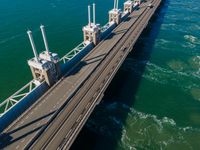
x=49, y=56
x=43, y=67
x=115, y=13
x=138, y=1
x=91, y=32
x=128, y=6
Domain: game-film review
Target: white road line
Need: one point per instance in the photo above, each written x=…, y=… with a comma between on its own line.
x=17, y=147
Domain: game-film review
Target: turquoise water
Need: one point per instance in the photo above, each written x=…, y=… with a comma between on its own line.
x=154, y=100
x=63, y=20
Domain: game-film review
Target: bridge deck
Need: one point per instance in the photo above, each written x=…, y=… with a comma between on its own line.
x=91, y=74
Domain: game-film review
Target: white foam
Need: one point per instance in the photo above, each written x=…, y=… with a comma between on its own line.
x=176, y=134
x=192, y=39
x=168, y=26
x=141, y=130
x=179, y=72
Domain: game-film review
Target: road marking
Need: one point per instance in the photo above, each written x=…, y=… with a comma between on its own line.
x=57, y=89
x=17, y=147
x=22, y=140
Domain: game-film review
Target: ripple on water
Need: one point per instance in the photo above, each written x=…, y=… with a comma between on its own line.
x=144, y=131
x=148, y=131
x=178, y=72
x=194, y=62
x=177, y=65
x=192, y=39
x=195, y=92
x=167, y=26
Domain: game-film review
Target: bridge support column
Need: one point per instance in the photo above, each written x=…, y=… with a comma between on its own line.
x=52, y=58
x=44, y=67
x=115, y=13
x=137, y=2
x=91, y=32
x=128, y=6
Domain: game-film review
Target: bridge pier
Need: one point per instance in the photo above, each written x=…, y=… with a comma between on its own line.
x=115, y=14
x=50, y=57
x=91, y=32
x=128, y=6
x=45, y=66
x=138, y=1
x=62, y=111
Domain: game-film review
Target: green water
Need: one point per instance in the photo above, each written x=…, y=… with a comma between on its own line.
x=154, y=100
x=63, y=20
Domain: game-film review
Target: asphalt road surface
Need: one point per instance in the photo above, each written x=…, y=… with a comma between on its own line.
x=68, y=104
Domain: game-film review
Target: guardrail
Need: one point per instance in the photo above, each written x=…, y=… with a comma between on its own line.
x=10, y=102
x=73, y=53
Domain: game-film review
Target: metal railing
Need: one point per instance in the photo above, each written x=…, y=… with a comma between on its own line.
x=105, y=27
x=73, y=53
x=10, y=102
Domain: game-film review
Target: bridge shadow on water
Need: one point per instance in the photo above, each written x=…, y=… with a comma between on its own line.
x=100, y=132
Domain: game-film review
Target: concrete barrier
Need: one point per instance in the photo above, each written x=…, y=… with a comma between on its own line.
x=22, y=106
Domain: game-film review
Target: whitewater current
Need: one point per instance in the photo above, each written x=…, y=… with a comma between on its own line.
x=154, y=101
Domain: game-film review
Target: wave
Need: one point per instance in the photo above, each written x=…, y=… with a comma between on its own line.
x=176, y=72
x=141, y=130
x=168, y=26
x=157, y=133
x=188, y=45
x=163, y=43
x=195, y=92
x=192, y=39
x=10, y=38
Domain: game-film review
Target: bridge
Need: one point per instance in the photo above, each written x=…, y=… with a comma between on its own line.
x=64, y=92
